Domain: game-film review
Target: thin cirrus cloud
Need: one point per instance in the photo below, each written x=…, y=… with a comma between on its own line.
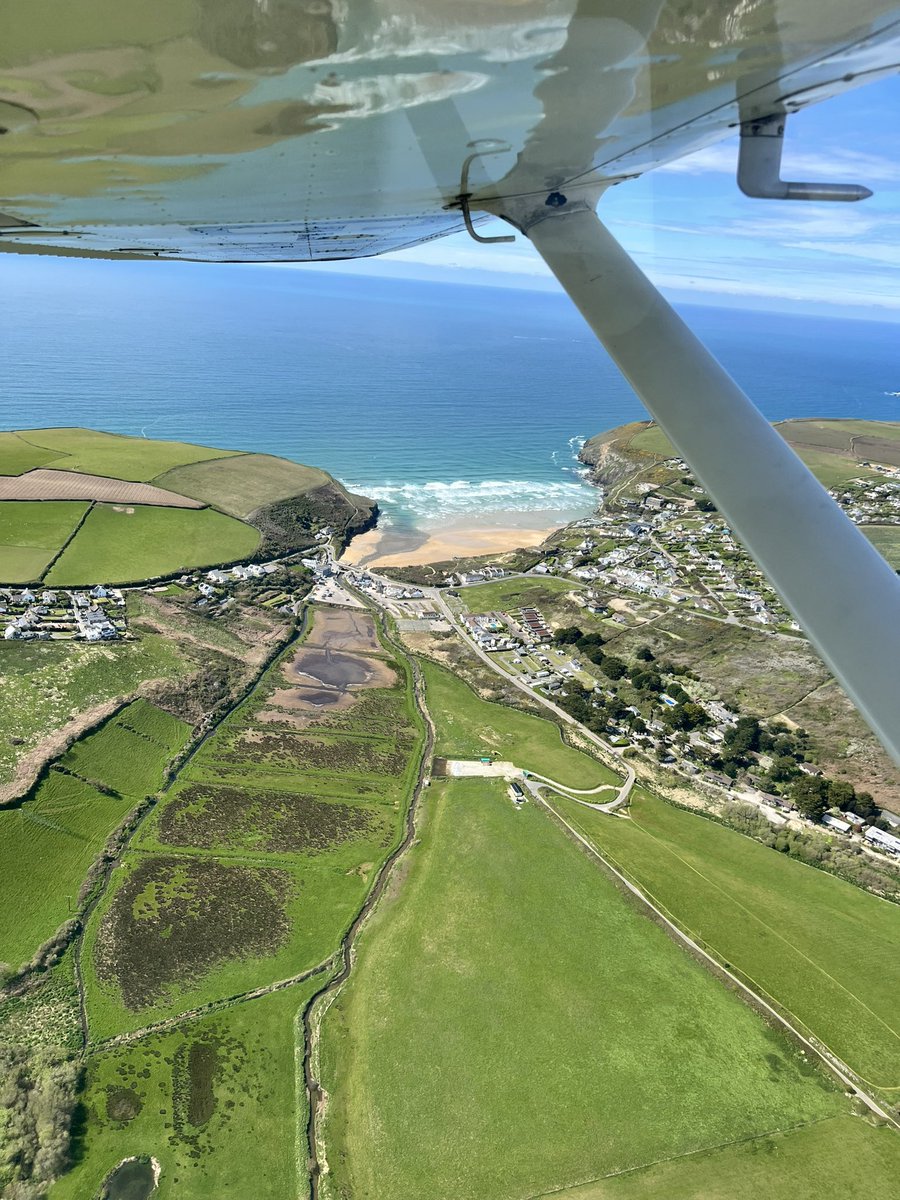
x=837, y=164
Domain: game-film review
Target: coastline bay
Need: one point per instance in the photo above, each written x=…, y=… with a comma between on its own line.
x=453, y=405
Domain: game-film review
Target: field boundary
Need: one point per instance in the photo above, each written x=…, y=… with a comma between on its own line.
x=318, y=1005
x=50, y=565
x=656, y=1162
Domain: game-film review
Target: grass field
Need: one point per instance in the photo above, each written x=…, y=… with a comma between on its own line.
x=49, y=842
x=46, y=848
x=244, y=483
x=126, y=754
x=824, y=950
x=471, y=727
x=16, y=455
x=118, y=547
x=214, y=1102
x=652, y=441
x=262, y=853
x=112, y=454
x=513, y=1026
x=842, y=1156
x=506, y=594
x=833, y=470
x=885, y=539
x=46, y=684
x=31, y=534
x=818, y=443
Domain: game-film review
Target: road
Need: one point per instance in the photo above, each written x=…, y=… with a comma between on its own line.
x=534, y=781
x=435, y=596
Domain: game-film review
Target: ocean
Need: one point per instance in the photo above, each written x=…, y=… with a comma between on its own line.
x=449, y=403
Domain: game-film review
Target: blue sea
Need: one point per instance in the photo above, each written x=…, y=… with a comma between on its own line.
x=449, y=403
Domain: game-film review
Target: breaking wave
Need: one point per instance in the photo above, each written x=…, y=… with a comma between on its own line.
x=435, y=500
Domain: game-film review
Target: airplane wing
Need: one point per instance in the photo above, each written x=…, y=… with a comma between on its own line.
x=262, y=130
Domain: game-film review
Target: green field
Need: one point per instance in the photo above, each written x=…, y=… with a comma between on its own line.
x=885, y=539
x=507, y=594
x=127, y=752
x=652, y=440
x=129, y=543
x=110, y=454
x=16, y=455
x=120, y=547
x=833, y=470
x=51, y=839
x=32, y=533
x=513, y=1026
x=260, y=856
x=839, y=1157
x=214, y=1102
x=822, y=949
x=471, y=727
x=47, y=684
x=244, y=483
x=818, y=443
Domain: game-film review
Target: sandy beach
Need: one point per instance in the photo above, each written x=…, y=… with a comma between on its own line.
x=389, y=548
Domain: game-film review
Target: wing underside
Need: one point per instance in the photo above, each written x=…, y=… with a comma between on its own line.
x=235, y=130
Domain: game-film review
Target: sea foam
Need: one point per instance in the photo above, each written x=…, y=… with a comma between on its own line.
x=437, y=500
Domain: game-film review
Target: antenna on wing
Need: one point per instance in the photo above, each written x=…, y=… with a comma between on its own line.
x=759, y=167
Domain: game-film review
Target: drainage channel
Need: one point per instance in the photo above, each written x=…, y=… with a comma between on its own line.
x=314, y=1090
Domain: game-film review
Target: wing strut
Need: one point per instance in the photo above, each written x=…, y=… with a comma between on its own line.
x=839, y=588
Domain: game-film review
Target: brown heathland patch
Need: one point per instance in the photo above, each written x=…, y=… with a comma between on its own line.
x=46, y=484
x=174, y=919
x=215, y=817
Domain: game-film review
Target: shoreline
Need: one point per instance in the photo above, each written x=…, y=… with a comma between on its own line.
x=390, y=548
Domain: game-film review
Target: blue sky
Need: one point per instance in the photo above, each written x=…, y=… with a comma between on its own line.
x=702, y=241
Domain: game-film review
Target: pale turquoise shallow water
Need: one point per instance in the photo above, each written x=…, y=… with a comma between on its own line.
x=447, y=402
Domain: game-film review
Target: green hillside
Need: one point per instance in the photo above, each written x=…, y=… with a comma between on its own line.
x=256, y=504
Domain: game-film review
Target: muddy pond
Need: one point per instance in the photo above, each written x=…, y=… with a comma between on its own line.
x=131, y=1180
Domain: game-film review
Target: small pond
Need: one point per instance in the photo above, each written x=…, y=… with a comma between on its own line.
x=131, y=1180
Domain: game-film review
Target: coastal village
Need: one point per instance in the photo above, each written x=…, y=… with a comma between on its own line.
x=661, y=550
x=94, y=614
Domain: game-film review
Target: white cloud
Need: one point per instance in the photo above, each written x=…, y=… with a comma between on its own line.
x=886, y=253
x=865, y=292
x=832, y=165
